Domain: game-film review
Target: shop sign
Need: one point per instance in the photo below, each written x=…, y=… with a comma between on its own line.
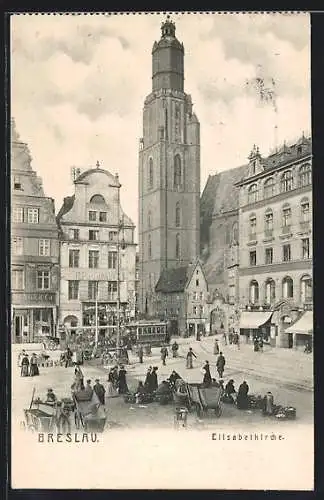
x=41, y=297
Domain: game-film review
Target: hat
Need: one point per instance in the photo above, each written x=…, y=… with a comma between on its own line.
x=89, y=381
x=50, y=390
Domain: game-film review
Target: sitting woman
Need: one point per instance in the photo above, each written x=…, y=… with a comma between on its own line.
x=230, y=392
x=242, y=400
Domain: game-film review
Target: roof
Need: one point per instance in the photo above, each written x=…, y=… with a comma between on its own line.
x=68, y=203
x=176, y=279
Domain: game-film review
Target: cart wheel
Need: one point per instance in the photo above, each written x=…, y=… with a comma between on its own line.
x=218, y=411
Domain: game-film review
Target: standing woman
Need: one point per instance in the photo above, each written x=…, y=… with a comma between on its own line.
x=24, y=366
x=122, y=384
x=34, y=371
x=111, y=391
x=207, y=376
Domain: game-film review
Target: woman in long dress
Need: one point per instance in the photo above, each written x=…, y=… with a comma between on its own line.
x=34, y=371
x=111, y=391
x=242, y=400
x=122, y=384
x=25, y=366
x=78, y=383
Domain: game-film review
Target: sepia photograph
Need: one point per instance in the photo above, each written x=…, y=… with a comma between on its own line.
x=161, y=256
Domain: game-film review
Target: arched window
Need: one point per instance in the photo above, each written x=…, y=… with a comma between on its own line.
x=254, y=292
x=253, y=193
x=268, y=221
x=149, y=219
x=149, y=247
x=286, y=182
x=150, y=174
x=269, y=188
x=270, y=291
x=306, y=289
x=235, y=233
x=287, y=288
x=177, y=247
x=286, y=215
x=177, y=171
x=305, y=175
x=305, y=212
x=98, y=199
x=177, y=215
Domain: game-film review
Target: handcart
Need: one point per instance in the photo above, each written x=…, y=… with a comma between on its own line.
x=40, y=416
x=89, y=413
x=203, y=399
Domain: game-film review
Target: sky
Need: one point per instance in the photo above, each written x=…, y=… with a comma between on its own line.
x=78, y=84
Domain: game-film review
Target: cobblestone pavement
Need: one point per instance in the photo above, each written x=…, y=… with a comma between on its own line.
x=287, y=374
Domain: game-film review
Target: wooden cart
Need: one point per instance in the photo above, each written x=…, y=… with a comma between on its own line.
x=89, y=413
x=202, y=399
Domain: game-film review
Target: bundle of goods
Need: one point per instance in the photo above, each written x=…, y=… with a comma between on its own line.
x=143, y=398
x=253, y=401
x=286, y=413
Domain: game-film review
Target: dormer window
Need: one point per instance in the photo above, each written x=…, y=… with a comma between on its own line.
x=253, y=167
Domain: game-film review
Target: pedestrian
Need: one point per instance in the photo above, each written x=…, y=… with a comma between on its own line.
x=78, y=383
x=111, y=391
x=256, y=344
x=20, y=357
x=230, y=392
x=164, y=354
x=190, y=355
x=122, y=383
x=242, y=400
x=220, y=365
x=267, y=404
x=24, y=366
x=225, y=338
x=238, y=341
x=139, y=394
x=175, y=349
x=147, y=383
x=34, y=371
x=68, y=357
x=100, y=391
x=261, y=344
x=207, y=376
x=88, y=388
x=140, y=354
x=50, y=396
x=63, y=421
x=154, y=380
x=216, y=348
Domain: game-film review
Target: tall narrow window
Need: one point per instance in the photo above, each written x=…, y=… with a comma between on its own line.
x=74, y=256
x=33, y=215
x=305, y=175
x=253, y=193
x=73, y=290
x=93, y=290
x=268, y=222
x=177, y=246
x=287, y=288
x=286, y=253
x=177, y=215
x=149, y=219
x=149, y=247
x=305, y=213
x=150, y=174
x=17, y=279
x=286, y=216
x=17, y=246
x=305, y=248
x=177, y=171
x=286, y=183
x=93, y=259
x=43, y=280
x=254, y=292
x=112, y=260
x=270, y=291
x=306, y=289
x=253, y=223
x=44, y=247
x=18, y=215
x=269, y=188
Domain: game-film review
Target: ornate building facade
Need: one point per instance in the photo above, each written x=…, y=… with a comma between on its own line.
x=97, y=253
x=169, y=172
x=34, y=251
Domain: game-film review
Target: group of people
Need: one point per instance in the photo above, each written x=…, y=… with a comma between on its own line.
x=258, y=344
x=240, y=397
x=28, y=365
x=117, y=383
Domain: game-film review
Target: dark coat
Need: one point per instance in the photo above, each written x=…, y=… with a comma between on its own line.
x=100, y=391
x=229, y=388
x=122, y=384
x=242, y=397
x=207, y=377
x=153, y=384
x=220, y=363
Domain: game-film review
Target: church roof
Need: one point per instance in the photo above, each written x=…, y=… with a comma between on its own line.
x=173, y=280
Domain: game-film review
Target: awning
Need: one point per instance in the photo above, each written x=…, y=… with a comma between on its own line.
x=303, y=325
x=252, y=320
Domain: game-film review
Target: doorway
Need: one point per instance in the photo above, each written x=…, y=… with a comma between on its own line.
x=20, y=328
x=290, y=340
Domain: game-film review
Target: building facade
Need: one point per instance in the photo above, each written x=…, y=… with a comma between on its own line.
x=169, y=172
x=181, y=299
x=275, y=243
x=34, y=251
x=98, y=255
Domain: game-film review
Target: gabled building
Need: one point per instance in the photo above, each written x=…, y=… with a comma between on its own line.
x=181, y=298
x=34, y=251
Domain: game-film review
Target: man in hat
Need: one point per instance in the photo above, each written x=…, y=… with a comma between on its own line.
x=50, y=396
x=100, y=391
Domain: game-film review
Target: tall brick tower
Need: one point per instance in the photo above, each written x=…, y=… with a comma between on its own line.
x=169, y=171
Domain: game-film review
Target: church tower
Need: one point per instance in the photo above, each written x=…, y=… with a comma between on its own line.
x=169, y=171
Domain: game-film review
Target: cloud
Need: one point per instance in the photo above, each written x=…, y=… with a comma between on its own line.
x=79, y=82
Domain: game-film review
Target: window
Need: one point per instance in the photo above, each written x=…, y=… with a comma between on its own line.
x=253, y=193
x=93, y=235
x=286, y=253
x=305, y=213
x=17, y=279
x=195, y=295
x=43, y=280
x=149, y=247
x=287, y=288
x=33, y=215
x=305, y=248
x=201, y=295
x=73, y=290
x=253, y=222
x=74, y=234
x=177, y=215
x=177, y=171
x=17, y=183
x=44, y=248
x=103, y=216
x=149, y=219
x=151, y=174
x=93, y=259
x=197, y=282
x=286, y=216
x=74, y=256
x=92, y=215
x=268, y=221
x=306, y=289
x=201, y=310
x=286, y=183
x=253, y=258
x=235, y=233
x=93, y=290
x=194, y=310
x=269, y=255
x=112, y=290
x=270, y=291
x=177, y=246
x=113, y=235
x=269, y=188
x=97, y=198
x=305, y=175
x=17, y=246
x=254, y=292
x=18, y=215
x=112, y=260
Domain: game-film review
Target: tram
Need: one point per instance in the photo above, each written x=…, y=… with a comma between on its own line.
x=149, y=332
